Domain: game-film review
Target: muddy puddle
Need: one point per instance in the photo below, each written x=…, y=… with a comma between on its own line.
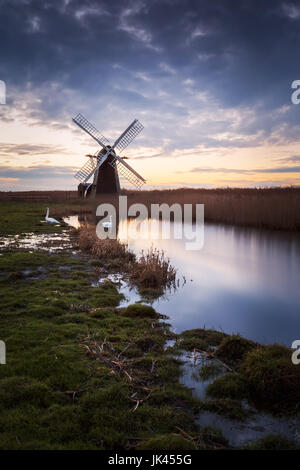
x=45, y=242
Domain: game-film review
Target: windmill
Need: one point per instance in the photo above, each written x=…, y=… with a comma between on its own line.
x=105, y=165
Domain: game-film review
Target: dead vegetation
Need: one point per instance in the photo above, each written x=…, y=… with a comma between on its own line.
x=151, y=272
x=104, y=250
x=122, y=367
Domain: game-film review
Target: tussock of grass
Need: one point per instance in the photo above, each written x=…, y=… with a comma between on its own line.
x=153, y=271
x=200, y=339
x=234, y=348
x=140, y=310
x=273, y=381
x=231, y=385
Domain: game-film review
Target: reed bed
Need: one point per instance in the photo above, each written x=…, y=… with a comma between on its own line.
x=272, y=208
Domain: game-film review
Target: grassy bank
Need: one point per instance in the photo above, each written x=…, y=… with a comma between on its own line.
x=84, y=373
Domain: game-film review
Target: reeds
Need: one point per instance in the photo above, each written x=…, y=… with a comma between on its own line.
x=104, y=250
x=151, y=270
x=274, y=208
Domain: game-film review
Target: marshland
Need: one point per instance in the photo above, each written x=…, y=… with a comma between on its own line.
x=136, y=344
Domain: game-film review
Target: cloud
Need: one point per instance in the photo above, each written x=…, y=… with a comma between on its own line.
x=291, y=10
x=8, y=180
x=294, y=169
x=194, y=73
x=7, y=149
x=34, y=172
x=290, y=159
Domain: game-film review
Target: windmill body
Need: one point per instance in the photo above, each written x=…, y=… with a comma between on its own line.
x=100, y=174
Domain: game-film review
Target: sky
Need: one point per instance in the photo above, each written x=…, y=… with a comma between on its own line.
x=209, y=80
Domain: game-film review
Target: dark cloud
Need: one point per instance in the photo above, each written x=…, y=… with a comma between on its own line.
x=204, y=72
x=240, y=50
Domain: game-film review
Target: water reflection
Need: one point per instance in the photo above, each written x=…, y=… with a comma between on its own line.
x=242, y=280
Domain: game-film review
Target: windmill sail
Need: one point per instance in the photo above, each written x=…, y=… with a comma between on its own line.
x=90, y=167
x=82, y=122
x=127, y=172
x=128, y=135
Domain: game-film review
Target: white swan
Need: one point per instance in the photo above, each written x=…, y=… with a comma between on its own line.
x=50, y=219
x=107, y=224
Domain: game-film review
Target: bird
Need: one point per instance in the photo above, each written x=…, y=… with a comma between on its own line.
x=107, y=224
x=50, y=219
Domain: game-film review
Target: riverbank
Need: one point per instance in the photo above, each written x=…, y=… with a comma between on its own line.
x=83, y=372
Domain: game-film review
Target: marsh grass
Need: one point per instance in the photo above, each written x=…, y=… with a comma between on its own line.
x=264, y=375
x=81, y=373
x=151, y=272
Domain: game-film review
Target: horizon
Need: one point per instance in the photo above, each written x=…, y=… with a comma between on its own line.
x=212, y=85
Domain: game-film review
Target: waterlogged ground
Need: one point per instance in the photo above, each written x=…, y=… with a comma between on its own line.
x=87, y=368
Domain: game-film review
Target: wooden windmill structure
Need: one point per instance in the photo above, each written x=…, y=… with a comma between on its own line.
x=105, y=165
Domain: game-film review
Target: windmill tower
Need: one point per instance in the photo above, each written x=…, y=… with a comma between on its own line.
x=105, y=165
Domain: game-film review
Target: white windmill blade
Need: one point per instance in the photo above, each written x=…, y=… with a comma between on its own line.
x=82, y=122
x=128, y=135
x=90, y=167
x=127, y=172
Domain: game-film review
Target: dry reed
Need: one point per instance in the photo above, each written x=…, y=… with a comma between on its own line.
x=152, y=270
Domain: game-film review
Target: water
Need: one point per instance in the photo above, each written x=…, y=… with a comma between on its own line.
x=47, y=242
x=242, y=281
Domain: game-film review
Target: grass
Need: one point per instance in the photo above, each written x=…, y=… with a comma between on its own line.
x=234, y=348
x=73, y=357
x=273, y=443
x=83, y=373
x=262, y=375
x=273, y=381
x=200, y=339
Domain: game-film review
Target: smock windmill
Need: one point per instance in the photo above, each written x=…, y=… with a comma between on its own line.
x=105, y=165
